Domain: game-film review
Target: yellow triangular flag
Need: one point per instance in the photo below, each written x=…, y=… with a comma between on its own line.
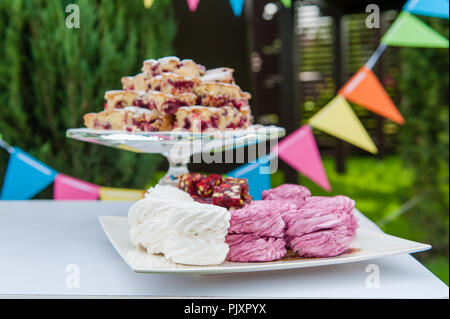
x=120, y=194
x=148, y=3
x=339, y=120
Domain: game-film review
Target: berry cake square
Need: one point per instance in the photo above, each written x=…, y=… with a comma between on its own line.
x=186, y=68
x=172, y=83
x=217, y=94
x=131, y=119
x=152, y=100
x=202, y=118
x=224, y=75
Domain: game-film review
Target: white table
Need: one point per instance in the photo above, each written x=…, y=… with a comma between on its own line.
x=38, y=239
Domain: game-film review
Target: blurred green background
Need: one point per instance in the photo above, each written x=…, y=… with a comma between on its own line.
x=51, y=75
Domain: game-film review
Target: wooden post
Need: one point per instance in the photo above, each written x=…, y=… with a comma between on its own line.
x=338, y=75
x=289, y=110
x=379, y=70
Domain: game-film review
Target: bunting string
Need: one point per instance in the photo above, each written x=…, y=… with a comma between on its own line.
x=26, y=176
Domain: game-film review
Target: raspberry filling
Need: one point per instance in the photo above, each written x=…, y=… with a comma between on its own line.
x=119, y=105
x=219, y=101
x=171, y=106
x=106, y=126
x=155, y=69
x=182, y=86
x=151, y=105
x=202, y=124
x=187, y=124
x=145, y=126
x=215, y=122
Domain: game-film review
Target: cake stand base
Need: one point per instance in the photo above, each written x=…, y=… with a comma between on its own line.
x=175, y=170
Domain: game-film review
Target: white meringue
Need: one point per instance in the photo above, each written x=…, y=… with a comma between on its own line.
x=194, y=250
x=168, y=192
x=169, y=222
x=196, y=219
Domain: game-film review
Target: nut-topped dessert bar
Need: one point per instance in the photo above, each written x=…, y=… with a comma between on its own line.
x=174, y=94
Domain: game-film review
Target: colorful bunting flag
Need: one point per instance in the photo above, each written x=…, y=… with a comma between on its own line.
x=25, y=176
x=257, y=175
x=237, y=6
x=193, y=4
x=287, y=3
x=70, y=188
x=366, y=90
x=339, y=120
x=300, y=151
x=431, y=8
x=120, y=194
x=410, y=31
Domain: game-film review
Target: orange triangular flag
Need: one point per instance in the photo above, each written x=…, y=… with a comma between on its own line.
x=366, y=90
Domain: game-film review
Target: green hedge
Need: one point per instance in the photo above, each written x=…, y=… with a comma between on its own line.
x=424, y=139
x=51, y=75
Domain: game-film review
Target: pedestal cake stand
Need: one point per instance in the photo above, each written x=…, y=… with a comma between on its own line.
x=177, y=146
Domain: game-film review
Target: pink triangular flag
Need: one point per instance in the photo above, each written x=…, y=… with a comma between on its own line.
x=70, y=188
x=300, y=151
x=193, y=4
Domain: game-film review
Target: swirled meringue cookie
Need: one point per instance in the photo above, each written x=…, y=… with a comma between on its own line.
x=195, y=250
x=287, y=192
x=158, y=202
x=319, y=213
x=141, y=259
x=258, y=220
x=169, y=222
x=151, y=235
x=148, y=209
x=324, y=243
x=196, y=218
x=245, y=248
x=168, y=192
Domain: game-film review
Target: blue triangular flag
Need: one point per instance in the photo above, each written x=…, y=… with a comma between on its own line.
x=25, y=176
x=237, y=6
x=257, y=174
x=431, y=8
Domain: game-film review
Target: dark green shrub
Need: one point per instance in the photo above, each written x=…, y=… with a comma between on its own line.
x=51, y=75
x=424, y=139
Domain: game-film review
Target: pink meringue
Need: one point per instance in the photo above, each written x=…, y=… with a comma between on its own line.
x=258, y=220
x=325, y=243
x=245, y=248
x=287, y=192
x=281, y=206
x=319, y=214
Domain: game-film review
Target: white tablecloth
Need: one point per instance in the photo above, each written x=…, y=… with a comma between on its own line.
x=39, y=239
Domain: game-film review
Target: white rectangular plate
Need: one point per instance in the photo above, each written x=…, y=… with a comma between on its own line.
x=367, y=245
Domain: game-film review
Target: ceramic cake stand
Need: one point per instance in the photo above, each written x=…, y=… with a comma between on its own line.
x=177, y=147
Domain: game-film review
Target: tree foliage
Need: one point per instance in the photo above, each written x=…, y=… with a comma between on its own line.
x=50, y=75
x=424, y=83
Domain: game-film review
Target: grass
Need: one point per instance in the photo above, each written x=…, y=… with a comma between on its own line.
x=380, y=188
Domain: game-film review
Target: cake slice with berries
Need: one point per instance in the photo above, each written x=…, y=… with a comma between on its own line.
x=152, y=100
x=174, y=84
x=217, y=94
x=202, y=118
x=224, y=75
x=131, y=119
x=186, y=68
x=139, y=82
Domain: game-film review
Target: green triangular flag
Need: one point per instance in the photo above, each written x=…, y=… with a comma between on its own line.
x=287, y=3
x=410, y=31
